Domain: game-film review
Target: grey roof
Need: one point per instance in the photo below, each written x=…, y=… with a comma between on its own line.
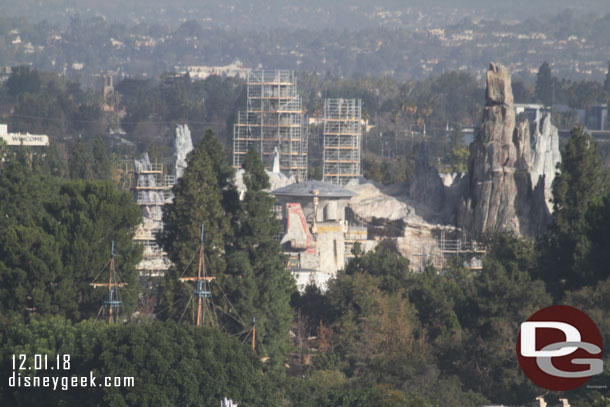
x=325, y=190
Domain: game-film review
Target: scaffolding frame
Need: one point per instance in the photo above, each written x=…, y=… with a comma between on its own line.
x=151, y=187
x=273, y=119
x=342, y=135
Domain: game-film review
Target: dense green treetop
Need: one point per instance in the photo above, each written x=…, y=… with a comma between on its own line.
x=198, y=200
x=56, y=239
x=578, y=192
x=544, y=85
x=257, y=280
x=171, y=364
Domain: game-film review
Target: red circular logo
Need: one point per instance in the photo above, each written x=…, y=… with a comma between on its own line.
x=560, y=348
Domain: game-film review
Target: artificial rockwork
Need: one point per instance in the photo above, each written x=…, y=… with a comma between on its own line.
x=510, y=169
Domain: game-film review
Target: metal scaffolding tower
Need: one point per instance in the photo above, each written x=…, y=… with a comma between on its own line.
x=342, y=133
x=274, y=118
x=151, y=189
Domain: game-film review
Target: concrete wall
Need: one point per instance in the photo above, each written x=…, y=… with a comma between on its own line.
x=331, y=246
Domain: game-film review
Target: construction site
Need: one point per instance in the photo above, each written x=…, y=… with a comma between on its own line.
x=151, y=185
x=342, y=137
x=152, y=189
x=273, y=119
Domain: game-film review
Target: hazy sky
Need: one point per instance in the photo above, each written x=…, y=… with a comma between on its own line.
x=316, y=14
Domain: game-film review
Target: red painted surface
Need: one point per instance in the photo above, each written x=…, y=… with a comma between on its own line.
x=295, y=209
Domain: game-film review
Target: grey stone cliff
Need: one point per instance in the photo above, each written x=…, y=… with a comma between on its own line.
x=545, y=156
x=503, y=192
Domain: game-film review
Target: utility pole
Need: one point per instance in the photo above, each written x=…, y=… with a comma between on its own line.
x=202, y=284
x=111, y=303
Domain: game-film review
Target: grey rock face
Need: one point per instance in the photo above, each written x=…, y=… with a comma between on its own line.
x=427, y=186
x=183, y=145
x=500, y=195
x=545, y=156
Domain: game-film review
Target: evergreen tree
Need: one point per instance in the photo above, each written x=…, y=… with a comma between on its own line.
x=596, y=264
x=81, y=161
x=579, y=186
x=225, y=174
x=258, y=283
x=56, y=238
x=544, y=84
x=29, y=258
x=101, y=162
x=171, y=365
x=372, y=170
x=457, y=137
x=23, y=79
x=504, y=295
x=88, y=216
x=197, y=200
x=55, y=161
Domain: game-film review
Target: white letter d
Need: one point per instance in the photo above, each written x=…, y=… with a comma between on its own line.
x=528, y=338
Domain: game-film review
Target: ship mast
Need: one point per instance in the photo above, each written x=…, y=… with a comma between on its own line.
x=202, y=284
x=111, y=302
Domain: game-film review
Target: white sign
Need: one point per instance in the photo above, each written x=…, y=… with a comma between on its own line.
x=16, y=139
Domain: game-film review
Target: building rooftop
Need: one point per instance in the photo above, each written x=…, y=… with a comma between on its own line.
x=325, y=190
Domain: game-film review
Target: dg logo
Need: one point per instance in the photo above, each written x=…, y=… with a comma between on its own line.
x=560, y=348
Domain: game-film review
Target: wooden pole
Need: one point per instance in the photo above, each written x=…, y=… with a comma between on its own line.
x=110, y=287
x=111, y=284
x=199, y=285
x=202, y=282
x=253, y=334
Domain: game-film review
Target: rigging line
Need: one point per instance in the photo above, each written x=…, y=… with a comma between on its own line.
x=119, y=279
x=185, y=308
x=247, y=336
x=215, y=281
x=118, y=308
x=263, y=346
x=229, y=301
x=229, y=315
x=239, y=333
x=101, y=271
x=190, y=262
x=214, y=315
x=99, y=311
x=168, y=306
x=209, y=287
x=118, y=291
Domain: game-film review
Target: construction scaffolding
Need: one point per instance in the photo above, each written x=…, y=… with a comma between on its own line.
x=273, y=119
x=342, y=134
x=151, y=189
x=441, y=250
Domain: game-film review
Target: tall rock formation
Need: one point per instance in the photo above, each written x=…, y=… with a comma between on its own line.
x=545, y=156
x=183, y=145
x=500, y=195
